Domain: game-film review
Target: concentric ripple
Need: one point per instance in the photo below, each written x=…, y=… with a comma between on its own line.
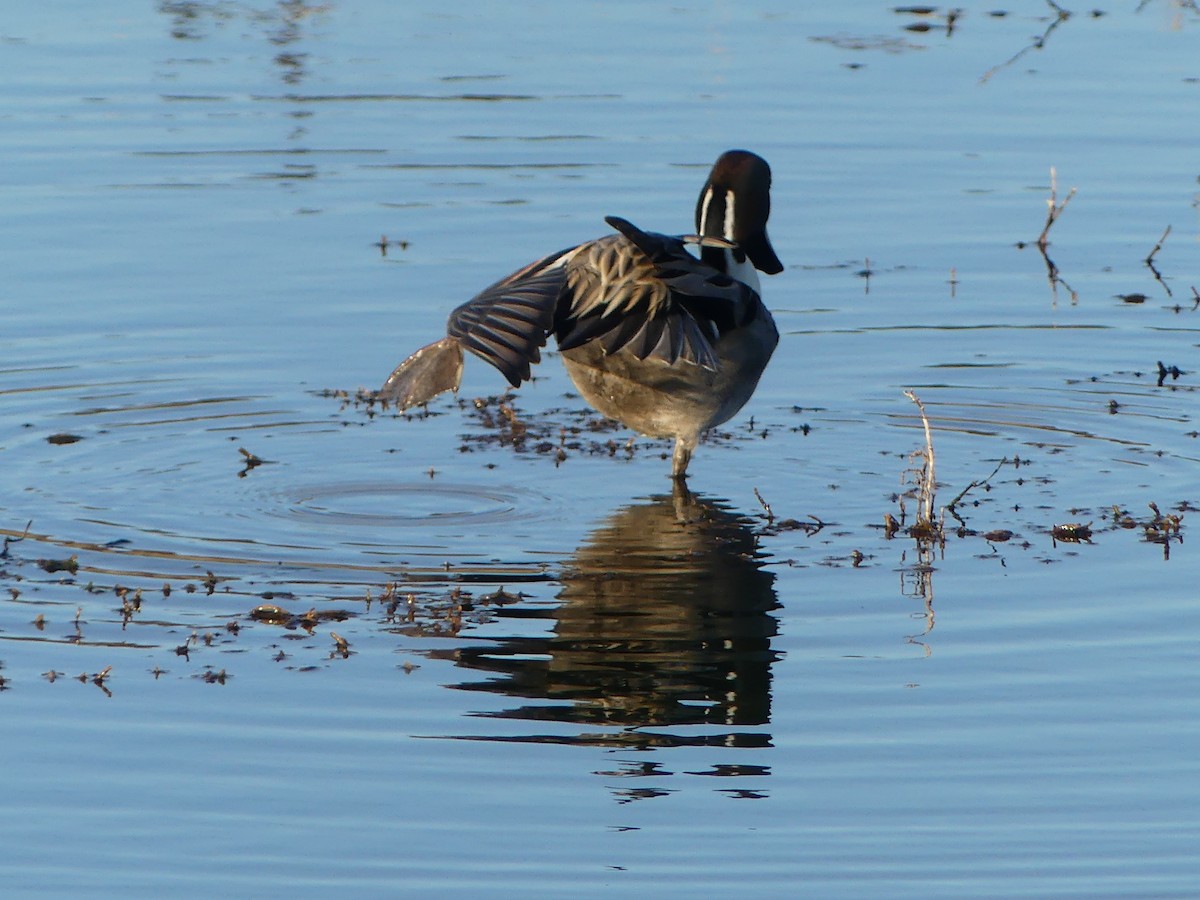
x=392, y=505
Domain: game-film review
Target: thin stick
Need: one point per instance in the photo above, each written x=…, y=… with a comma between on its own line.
x=1157, y=247
x=929, y=481
x=1055, y=208
x=974, y=484
x=766, y=506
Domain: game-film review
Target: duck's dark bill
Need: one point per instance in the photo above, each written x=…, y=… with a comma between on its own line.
x=762, y=254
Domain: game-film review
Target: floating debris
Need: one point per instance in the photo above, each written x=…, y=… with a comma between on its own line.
x=252, y=461
x=277, y=615
x=1164, y=371
x=1072, y=533
x=341, y=646
x=71, y=564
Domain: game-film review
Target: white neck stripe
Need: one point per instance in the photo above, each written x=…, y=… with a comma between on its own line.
x=708, y=194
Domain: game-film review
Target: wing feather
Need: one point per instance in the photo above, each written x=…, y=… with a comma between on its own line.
x=646, y=293
x=507, y=324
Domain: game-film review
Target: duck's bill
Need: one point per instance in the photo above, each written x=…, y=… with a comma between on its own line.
x=762, y=254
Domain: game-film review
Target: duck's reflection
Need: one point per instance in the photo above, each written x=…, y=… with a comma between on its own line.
x=665, y=621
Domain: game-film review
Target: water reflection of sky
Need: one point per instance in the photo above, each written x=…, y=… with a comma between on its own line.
x=224, y=217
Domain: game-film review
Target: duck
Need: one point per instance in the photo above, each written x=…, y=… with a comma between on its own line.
x=666, y=341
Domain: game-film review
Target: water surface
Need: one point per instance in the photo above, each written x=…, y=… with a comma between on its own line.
x=260, y=637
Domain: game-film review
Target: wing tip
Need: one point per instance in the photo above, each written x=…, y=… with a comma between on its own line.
x=430, y=371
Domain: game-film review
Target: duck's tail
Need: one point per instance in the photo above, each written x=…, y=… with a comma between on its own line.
x=432, y=370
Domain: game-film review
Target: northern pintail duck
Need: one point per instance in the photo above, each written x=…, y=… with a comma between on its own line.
x=663, y=341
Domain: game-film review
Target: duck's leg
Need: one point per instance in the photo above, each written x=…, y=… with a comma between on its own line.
x=682, y=456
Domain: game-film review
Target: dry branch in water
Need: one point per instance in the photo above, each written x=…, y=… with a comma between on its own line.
x=1157, y=247
x=926, y=479
x=766, y=507
x=1055, y=209
x=985, y=482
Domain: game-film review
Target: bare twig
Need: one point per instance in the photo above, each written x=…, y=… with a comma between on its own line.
x=766, y=506
x=970, y=487
x=1055, y=209
x=926, y=477
x=1158, y=246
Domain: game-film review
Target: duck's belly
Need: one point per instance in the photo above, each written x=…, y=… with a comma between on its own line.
x=664, y=400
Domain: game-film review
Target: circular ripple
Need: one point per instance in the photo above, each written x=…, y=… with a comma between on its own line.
x=387, y=504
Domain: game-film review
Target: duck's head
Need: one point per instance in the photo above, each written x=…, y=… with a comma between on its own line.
x=734, y=204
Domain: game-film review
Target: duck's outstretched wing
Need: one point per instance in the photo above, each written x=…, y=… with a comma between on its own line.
x=648, y=295
x=507, y=323
x=638, y=290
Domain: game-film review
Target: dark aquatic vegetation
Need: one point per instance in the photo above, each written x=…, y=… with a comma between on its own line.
x=64, y=438
x=666, y=343
x=71, y=565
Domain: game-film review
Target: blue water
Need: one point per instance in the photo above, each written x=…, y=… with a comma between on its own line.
x=551, y=677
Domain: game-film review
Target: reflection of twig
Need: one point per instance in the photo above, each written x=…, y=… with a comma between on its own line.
x=12, y=540
x=1055, y=278
x=922, y=589
x=1060, y=15
x=1182, y=4
x=1149, y=261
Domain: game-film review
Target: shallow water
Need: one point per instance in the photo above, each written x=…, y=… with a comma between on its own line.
x=420, y=655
